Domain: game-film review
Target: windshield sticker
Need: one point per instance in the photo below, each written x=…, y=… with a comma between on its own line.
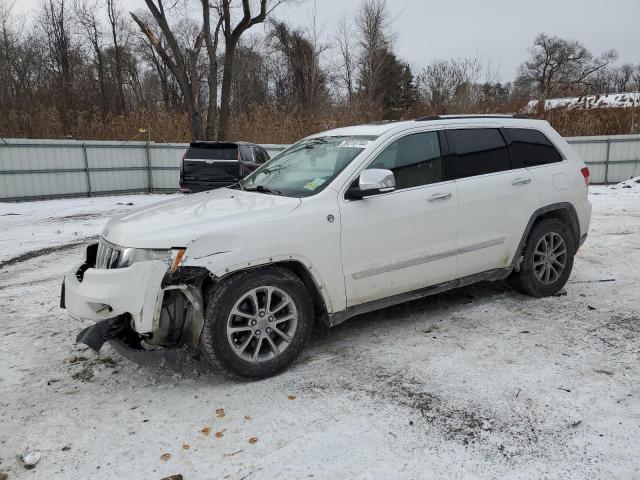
x=355, y=143
x=314, y=184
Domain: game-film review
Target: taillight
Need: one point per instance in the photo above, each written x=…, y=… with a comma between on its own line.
x=585, y=174
x=182, y=164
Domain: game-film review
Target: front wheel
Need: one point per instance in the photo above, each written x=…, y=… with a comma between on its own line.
x=547, y=259
x=257, y=322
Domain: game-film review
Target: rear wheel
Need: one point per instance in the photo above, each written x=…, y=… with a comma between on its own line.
x=257, y=322
x=547, y=259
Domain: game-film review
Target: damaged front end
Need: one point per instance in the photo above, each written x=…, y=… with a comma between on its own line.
x=150, y=311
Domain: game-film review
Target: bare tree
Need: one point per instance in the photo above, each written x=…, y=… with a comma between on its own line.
x=183, y=65
x=90, y=25
x=375, y=45
x=301, y=83
x=160, y=73
x=212, y=54
x=451, y=86
x=55, y=25
x=232, y=35
x=558, y=66
x=114, y=15
x=344, y=39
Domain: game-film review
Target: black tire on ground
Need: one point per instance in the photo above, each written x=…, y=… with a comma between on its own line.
x=214, y=341
x=526, y=280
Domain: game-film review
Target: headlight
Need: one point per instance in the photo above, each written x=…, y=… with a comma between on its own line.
x=110, y=256
x=171, y=257
x=135, y=255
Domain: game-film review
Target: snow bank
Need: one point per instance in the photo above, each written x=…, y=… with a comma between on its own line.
x=610, y=100
x=632, y=183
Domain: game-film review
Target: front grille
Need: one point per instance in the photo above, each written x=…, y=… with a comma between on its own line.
x=109, y=255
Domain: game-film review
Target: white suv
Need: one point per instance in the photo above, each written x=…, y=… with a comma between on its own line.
x=343, y=222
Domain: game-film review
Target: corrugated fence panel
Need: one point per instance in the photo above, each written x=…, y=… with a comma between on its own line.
x=594, y=155
x=32, y=169
x=624, y=160
x=165, y=162
x=118, y=168
x=42, y=185
x=611, y=159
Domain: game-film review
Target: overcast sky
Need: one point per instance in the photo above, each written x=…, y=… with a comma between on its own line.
x=499, y=31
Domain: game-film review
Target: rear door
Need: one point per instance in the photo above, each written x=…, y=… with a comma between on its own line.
x=496, y=198
x=210, y=165
x=531, y=149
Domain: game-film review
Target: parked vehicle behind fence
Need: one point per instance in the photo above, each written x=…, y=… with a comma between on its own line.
x=211, y=165
x=341, y=223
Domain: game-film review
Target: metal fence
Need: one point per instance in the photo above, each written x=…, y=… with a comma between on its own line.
x=40, y=169
x=611, y=159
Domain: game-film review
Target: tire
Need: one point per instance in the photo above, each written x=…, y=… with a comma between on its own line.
x=257, y=341
x=536, y=276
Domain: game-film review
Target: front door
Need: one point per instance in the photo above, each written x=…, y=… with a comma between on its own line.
x=404, y=240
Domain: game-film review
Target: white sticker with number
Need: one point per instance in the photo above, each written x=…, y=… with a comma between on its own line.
x=355, y=143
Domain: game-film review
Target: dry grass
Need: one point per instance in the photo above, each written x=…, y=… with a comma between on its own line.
x=266, y=125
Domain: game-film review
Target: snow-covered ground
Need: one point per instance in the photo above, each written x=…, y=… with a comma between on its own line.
x=480, y=382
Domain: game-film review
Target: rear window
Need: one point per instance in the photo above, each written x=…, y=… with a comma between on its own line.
x=476, y=151
x=199, y=152
x=531, y=147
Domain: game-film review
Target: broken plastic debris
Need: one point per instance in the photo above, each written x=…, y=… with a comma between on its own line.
x=30, y=459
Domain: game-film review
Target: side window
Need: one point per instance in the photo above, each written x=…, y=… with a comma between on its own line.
x=476, y=151
x=259, y=155
x=246, y=153
x=414, y=160
x=531, y=147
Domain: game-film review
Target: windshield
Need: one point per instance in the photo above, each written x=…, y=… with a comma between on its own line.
x=307, y=167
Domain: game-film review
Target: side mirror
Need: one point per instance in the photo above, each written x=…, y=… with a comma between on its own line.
x=372, y=182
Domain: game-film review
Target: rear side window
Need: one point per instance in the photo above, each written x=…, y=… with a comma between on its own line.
x=476, y=151
x=414, y=160
x=247, y=153
x=260, y=155
x=531, y=147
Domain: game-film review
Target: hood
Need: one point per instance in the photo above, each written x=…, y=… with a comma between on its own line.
x=176, y=222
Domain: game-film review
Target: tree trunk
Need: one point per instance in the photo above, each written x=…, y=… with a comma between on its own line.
x=213, y=101
x=212, y=54
x=225, y=93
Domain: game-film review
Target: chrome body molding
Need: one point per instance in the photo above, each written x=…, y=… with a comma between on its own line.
x=428, y=258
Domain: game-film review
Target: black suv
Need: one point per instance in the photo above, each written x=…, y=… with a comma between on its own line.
x=210, y=165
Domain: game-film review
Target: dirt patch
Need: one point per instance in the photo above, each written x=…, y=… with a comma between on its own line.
x=43, y=252
x=78, y=216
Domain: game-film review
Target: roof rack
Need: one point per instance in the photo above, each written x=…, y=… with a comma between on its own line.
x=458, y=117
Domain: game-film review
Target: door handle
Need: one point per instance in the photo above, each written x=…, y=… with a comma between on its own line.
x=439, y=196
x=521, y=181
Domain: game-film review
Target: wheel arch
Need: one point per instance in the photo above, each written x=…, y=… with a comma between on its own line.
x=319, y=295
x=564, y=211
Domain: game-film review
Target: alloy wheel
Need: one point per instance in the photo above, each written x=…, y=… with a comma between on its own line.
x=550, y=258
x=262, y=324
